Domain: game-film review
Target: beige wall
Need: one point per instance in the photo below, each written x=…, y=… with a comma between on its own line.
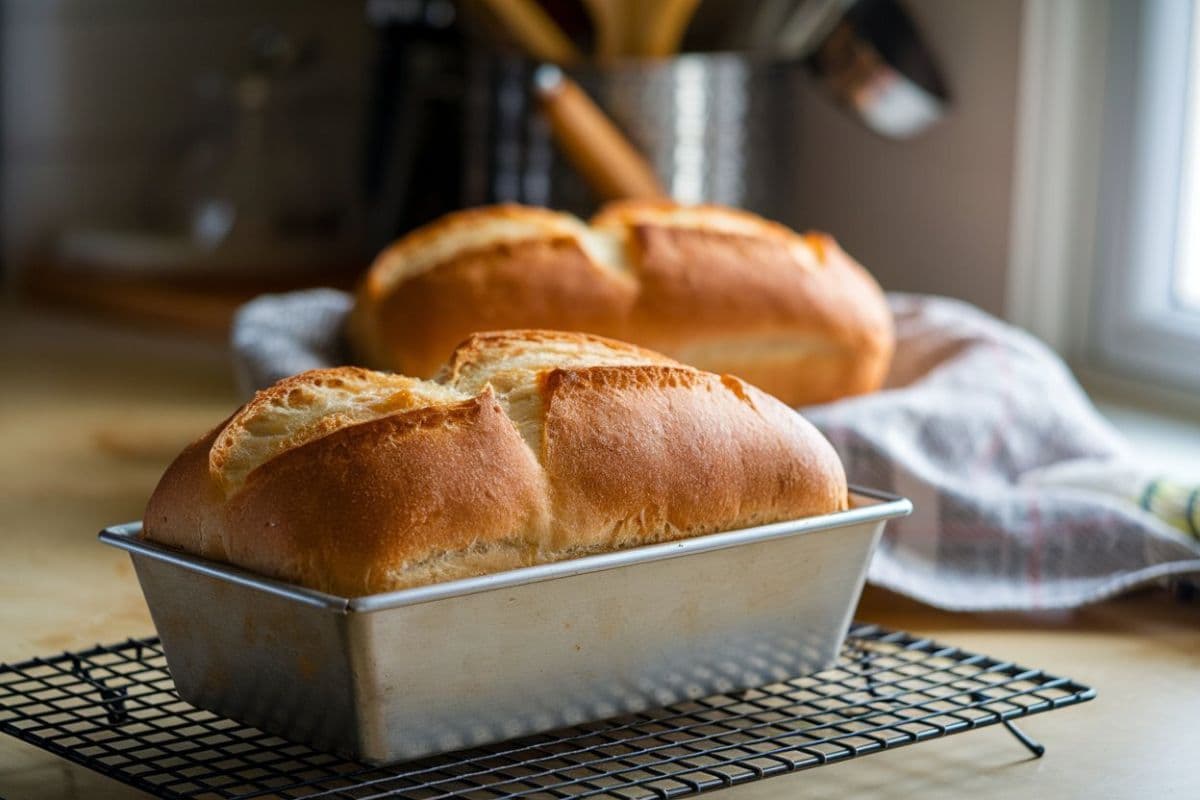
x=930, y=214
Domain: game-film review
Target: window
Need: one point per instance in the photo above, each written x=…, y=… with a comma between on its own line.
x=1106, y=231
x=1148, y=248
x=1186, y=284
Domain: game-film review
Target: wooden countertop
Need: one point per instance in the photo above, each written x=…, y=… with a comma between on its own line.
x=89, y=418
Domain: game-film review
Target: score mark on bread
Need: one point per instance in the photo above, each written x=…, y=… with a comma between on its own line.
x=528, y=447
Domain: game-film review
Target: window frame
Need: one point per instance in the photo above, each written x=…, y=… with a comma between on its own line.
x=1097, y=190
x=1137, y=327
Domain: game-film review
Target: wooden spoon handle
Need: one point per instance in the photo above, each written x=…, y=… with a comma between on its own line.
x=534, y=30
x=665, y=23
x=607, y=25
x=591, y=142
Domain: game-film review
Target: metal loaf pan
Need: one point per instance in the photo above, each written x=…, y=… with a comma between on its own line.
x=436, y=668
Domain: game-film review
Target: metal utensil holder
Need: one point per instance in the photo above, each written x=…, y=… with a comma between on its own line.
x=716, y=127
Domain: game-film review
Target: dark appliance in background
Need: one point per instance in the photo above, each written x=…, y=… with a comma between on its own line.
x=414, y=138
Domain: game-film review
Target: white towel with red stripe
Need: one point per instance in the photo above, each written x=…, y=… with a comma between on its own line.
x=982, y=427
x=1024, y=496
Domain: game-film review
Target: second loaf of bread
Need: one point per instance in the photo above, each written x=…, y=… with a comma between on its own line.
x=713, y=287
x=530, y=447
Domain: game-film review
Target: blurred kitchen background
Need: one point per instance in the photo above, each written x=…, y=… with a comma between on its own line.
x=163, y=162
x=212, y=143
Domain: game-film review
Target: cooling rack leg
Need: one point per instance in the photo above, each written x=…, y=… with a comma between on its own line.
x=1032, y=745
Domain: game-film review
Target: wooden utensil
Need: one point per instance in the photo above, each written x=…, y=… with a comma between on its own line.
x=593, y=145
x=534, y=30
x=608, y=28
x=591, y=142
x=639, y=28
x=658, y=25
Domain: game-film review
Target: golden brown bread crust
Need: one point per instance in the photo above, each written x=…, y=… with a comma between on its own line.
x=515, y=222
x=485, y=350
x=684, y=453
x=533, y=446
x=505, y=286
x=720, y=289
x=357, y=509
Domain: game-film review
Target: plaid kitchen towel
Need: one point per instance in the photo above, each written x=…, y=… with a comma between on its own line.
x=1024, y=496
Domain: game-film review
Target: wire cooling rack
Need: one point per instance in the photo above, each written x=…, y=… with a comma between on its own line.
x=114, y=709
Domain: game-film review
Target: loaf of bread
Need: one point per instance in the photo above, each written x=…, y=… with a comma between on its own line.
x=715, y=288
x=529, y=447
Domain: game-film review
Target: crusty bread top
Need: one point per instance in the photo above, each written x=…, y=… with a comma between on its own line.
x=313, y=404
x=717, y=288
x=485, y=357
x=530, y=446
x=618, y=219
x=512, y=362
x=605, y=238
x=308, y=406
x=474, y=229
